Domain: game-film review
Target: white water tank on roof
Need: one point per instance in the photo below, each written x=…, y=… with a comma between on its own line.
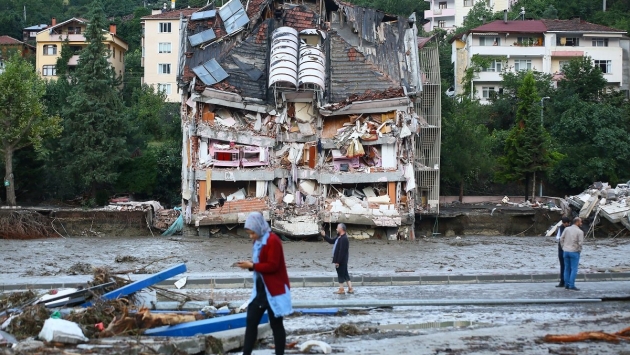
x=283, y=60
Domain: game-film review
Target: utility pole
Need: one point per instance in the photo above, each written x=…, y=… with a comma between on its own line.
x=604, y=5
x=542, y=106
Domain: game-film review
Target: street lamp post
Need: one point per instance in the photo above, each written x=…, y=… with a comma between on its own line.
x=542, y=106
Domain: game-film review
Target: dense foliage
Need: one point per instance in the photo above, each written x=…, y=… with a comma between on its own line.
x=118, y=135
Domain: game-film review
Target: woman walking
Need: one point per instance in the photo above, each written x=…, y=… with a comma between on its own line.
x=341, y=252
x=271, y=291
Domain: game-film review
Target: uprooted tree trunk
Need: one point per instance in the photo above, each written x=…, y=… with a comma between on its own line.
x=8, y=176
x=25, y=225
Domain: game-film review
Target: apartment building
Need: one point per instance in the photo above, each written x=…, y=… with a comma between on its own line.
x=161, y=49
x=540, y=45
x=309, y=119
x=449, y=14
x=50, y=40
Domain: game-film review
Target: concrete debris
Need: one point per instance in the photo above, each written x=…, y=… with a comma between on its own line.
x=305, y=136
x=28, y=346
x=601, y=200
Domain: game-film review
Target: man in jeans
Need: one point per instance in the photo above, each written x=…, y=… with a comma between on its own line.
x=566, y=221
x=572, y=239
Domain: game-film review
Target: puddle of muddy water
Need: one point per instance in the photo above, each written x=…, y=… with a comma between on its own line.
x=433, y=325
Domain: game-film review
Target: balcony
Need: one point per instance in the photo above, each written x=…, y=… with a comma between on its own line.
x=439, y=13
x=488, y=76
x=61, y=37
x=536, y=51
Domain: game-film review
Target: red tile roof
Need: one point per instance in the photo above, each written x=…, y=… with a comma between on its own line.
x=255, y=7
x=171, y=15
x=498, y=26
x=540, y=26
x=300, y=19
x=577, y=25
x=4, y=40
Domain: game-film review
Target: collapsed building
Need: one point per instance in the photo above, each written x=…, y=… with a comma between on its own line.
x=310, y=113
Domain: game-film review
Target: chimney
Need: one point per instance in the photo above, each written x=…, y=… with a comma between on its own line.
x=172, y=4
x=504, y=16
x=54, y=21
x=112, y=28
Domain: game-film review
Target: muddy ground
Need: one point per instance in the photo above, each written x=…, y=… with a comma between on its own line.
x=215, y=256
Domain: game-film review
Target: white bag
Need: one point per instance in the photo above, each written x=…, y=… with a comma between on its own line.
x=61, y=331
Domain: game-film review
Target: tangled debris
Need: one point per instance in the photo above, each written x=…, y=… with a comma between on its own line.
x=347, y=329
x=29, y=322
x=584, y=336
x=80, y=269
x=25, y=225
x=16, y=299
x=101, y=312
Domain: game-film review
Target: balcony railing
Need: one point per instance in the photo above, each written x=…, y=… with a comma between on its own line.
x=439, y=13
x=537, y=51
x=61, y=37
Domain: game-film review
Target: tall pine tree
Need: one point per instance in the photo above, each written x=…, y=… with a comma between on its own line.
x=528, y=145
x=94, y=140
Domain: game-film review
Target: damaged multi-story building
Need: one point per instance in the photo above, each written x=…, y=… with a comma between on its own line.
x=310, y=112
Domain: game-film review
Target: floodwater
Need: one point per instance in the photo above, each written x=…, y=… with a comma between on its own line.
x=215, y=256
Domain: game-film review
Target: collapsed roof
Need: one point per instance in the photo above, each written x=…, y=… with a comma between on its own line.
x=342, y=52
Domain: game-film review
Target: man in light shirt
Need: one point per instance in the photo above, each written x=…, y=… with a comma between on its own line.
x=566, y=221
x=572, y=240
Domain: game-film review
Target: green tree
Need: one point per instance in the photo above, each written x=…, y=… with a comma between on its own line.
x=583, y=79
x=550, y=13
x=95, y=132
x=22, y=115
x=504, y=106
x=594, y=138
x=528, y=145
x=479, y=14
x=465, y=150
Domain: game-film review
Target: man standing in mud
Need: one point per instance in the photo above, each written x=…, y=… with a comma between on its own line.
x=572, y=239
x=341, y=253
x=566, y=221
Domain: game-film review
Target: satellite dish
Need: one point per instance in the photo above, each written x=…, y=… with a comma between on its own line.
x=450, y=92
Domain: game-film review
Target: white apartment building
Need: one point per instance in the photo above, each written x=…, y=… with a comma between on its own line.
x=448, y=14
x=540, y=45
x=161, y=50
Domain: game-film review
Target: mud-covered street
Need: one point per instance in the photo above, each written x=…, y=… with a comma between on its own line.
x=215, y=256
x=455, y=329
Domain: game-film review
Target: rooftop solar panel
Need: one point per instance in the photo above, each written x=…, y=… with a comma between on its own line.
x=202, y=37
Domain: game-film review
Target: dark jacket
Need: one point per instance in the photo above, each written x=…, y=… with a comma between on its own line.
x=342, y=250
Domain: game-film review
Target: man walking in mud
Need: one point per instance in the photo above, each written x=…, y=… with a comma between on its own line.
x=572, y=240
x=566, y=221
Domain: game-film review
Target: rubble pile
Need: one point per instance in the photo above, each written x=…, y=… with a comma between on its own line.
x=602, y=200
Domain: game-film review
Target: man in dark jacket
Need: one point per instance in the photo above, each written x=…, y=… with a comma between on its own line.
x=341, y=252
x=566, y=221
